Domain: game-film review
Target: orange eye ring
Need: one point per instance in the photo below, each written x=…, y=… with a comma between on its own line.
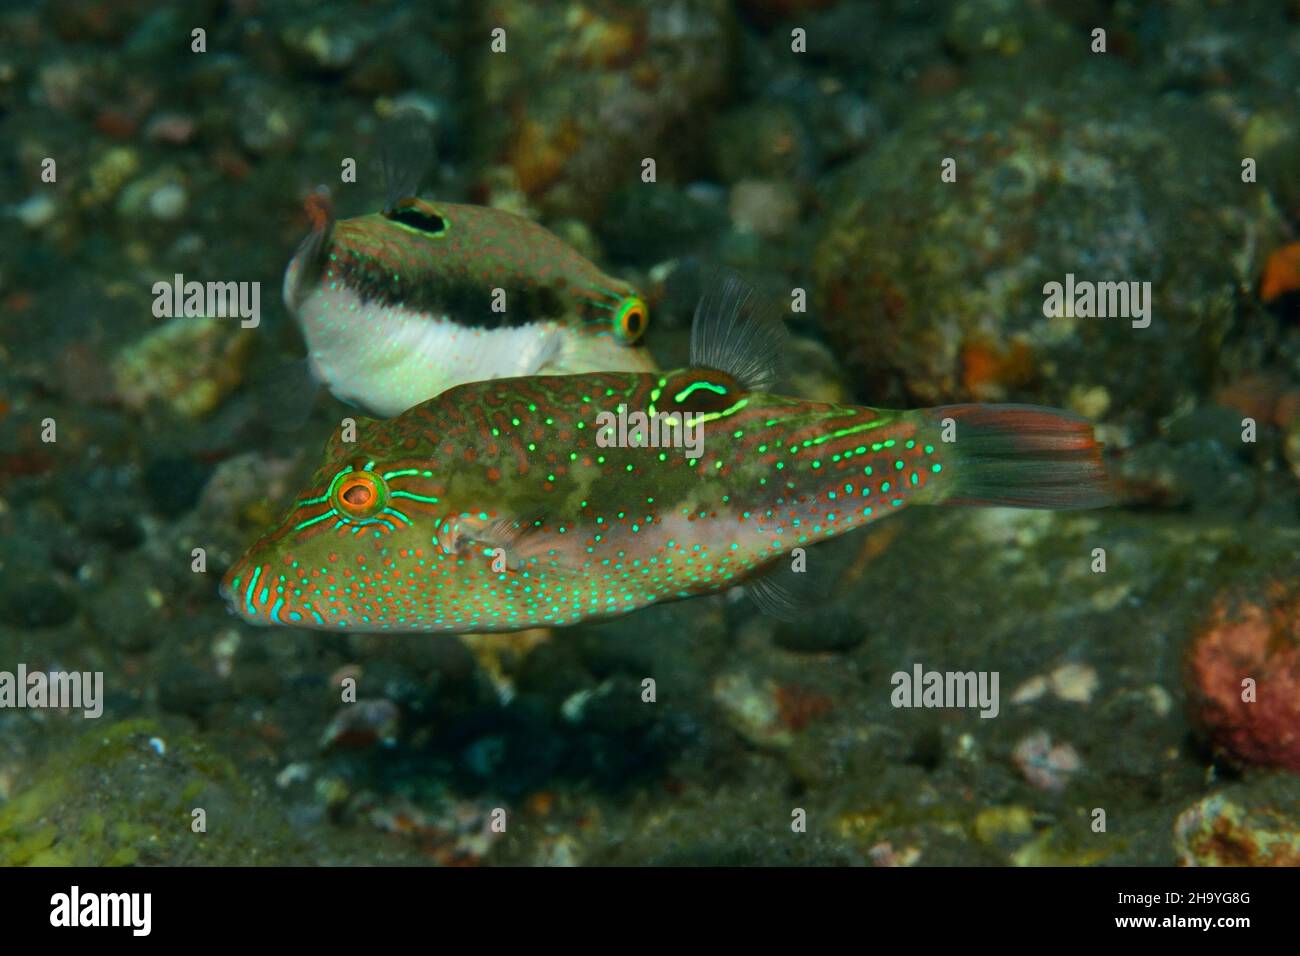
x=631, y=319
x=358, y=494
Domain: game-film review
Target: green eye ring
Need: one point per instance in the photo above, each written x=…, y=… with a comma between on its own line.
x=358, y=494
x=631, y=319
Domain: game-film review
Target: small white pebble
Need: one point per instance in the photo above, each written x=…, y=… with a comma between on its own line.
x=574, y=705
x=966, y=747
x=168, y=201
x=36, y=211
x=159, y=745
x=1031, y=689
x=1159, y=699
x=293, y=773
x=1074, y=682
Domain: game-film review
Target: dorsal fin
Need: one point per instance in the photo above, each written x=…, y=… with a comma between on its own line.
x=739, y=332
x=405, y=154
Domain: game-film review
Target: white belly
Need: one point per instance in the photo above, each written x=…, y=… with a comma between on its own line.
x=386, y=359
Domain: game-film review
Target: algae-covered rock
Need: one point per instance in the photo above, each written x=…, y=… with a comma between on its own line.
x=190, y=365
x=936, y=290
x=1251, y=824
x=128, y=794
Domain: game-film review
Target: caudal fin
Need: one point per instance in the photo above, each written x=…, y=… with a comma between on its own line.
x=1021, y=456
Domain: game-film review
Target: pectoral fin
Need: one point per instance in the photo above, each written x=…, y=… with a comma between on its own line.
x=508, y=541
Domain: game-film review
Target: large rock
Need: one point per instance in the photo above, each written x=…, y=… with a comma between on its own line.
x=934, y=291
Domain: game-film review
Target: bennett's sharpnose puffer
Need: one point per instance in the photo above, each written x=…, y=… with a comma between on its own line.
x=401, y=305
x=501, y=505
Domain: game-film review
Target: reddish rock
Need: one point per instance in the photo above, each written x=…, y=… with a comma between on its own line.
x=116, y=124
x=1281, y=273
x=1268, y=398
x=990, y=370
x=1250, y=640
x=799, y=706
x=361, y=725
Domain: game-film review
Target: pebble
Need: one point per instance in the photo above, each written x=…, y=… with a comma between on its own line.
x=1044, y=765
x=168, y=202
x=1071, y=682
x=36, y=211
x=1074, y=682
x=752, y=709
x=176, y=129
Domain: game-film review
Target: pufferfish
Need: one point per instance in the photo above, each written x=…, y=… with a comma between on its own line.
x=400, y=305
x=503, y=505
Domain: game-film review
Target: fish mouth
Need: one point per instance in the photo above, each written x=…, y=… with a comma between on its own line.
x=226, y=588
x=237, y=589
x=305, y=266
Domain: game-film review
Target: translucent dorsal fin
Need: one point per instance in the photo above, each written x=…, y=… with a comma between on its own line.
x=405, y=154
x=739, y=332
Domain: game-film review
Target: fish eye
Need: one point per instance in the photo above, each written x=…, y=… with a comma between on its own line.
x=631, y=319
x=418, y=216
x=358, y=494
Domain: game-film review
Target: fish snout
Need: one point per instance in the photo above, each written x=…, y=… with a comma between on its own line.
x=238, y=589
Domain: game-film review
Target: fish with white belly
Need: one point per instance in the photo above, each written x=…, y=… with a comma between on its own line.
x=401, y=305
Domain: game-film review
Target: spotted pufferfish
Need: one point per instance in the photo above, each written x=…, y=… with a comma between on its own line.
x=400, y=305
x=500, y=505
